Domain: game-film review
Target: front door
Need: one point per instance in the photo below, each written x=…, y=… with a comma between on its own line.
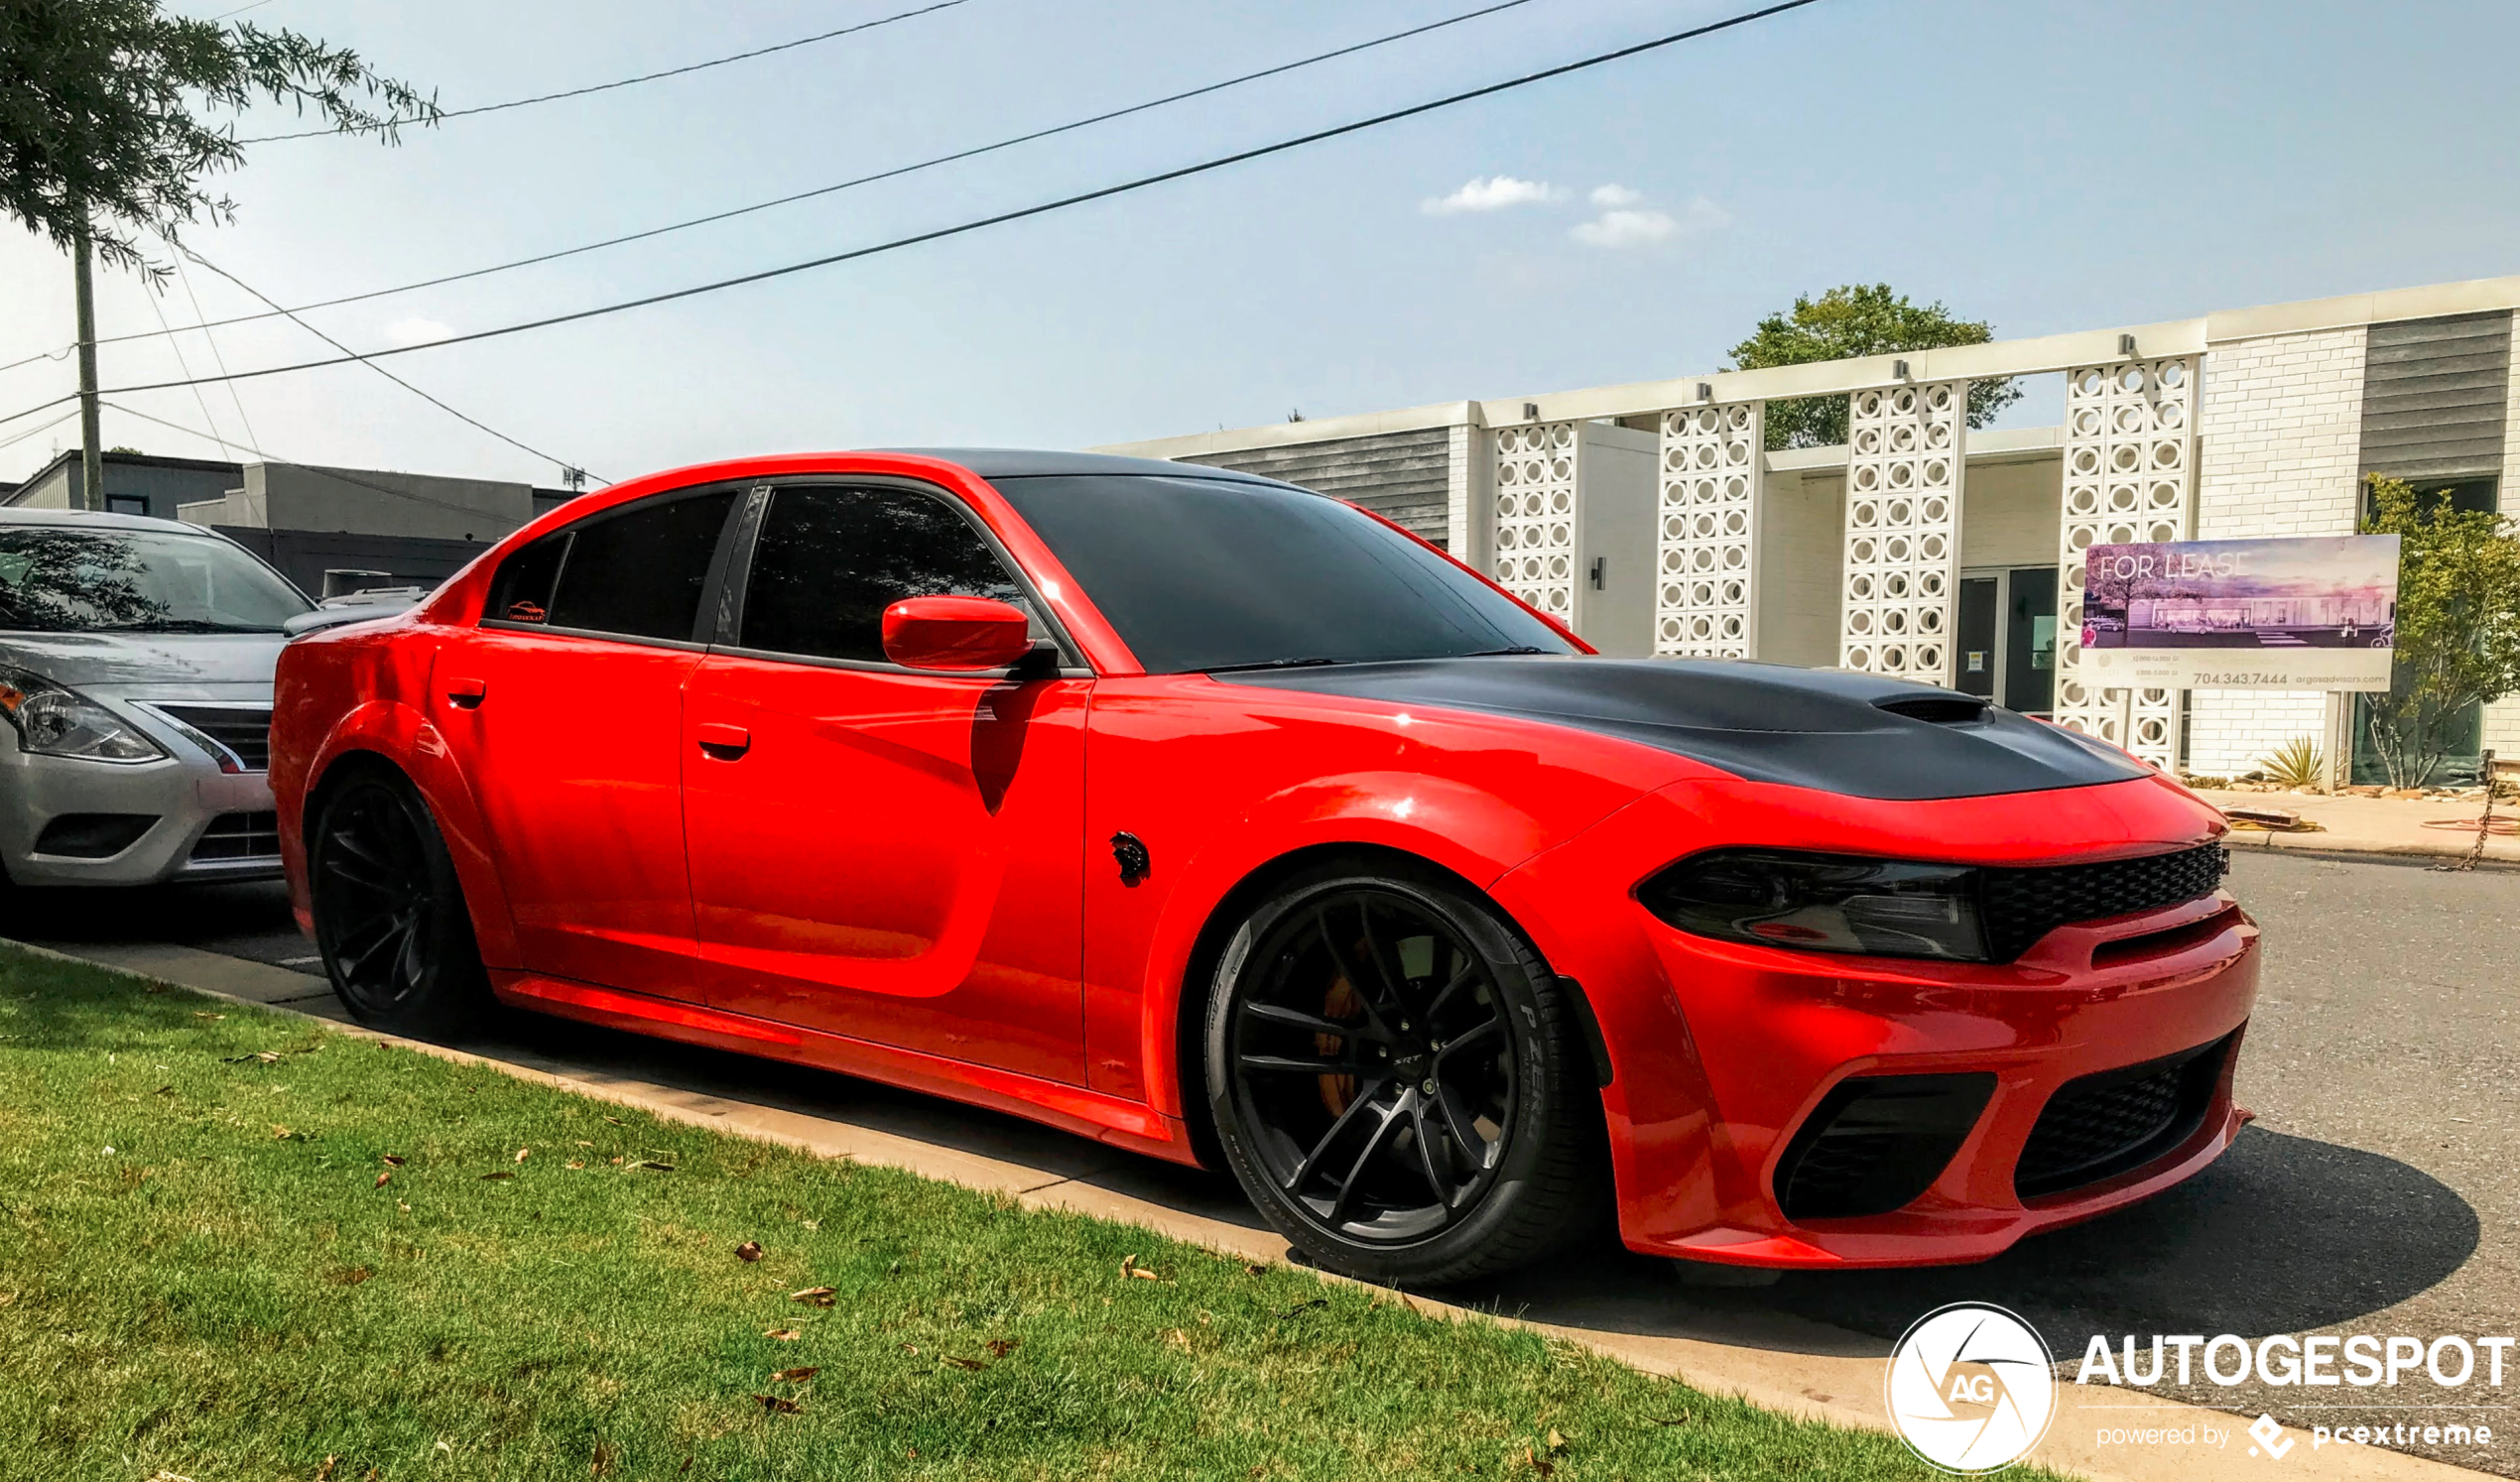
x=564, y=710
x=875, y=852
x=1980, y=598
x=2030, y=640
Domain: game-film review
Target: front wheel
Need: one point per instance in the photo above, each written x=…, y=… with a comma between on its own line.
x=389, y=912
x=1398, y=1082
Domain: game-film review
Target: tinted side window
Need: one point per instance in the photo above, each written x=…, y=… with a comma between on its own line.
x=639, y=573
x=829, y=561
x=522, y=591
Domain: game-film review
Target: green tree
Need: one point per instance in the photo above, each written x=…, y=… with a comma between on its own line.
x=2458, y=624
x=1849, y=320
x=101, y=136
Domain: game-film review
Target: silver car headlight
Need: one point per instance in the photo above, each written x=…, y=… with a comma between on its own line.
x=55, y=720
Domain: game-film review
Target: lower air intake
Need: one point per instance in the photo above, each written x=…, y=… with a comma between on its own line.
x=1877, y=1142
x=2104, y=1125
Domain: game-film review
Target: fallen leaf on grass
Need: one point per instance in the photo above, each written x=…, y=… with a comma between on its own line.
x=617, y=1121
x=1176, y=1338
x=280, y=1132
x=381, y=1177
x=1254, y=1268
x=1129, y=1267
x=575, y=1165
x=751, y=1250
x=323, y=1473
x=1303, y=1307
x=265, y=1056
x=1556, y=1442
x=816, y=1297
x=206, y=1013
x=616, y=1158
x=348, y=1276
x=965, y=1363
x=585, y=1144
x=167, y=1476
x=1539, y=1463
x=501, y=1173
x=606, y=1453
x=1001, y=1347
x=521, y=1154
x=797, y=1375
x=649, y=1163
x=910, y=1348
x=783, y=1334
x=163, y=1091
x=393, y=1160
x=779, y=1404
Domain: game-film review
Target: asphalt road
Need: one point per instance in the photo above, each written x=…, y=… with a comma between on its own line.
x=2378, y=1192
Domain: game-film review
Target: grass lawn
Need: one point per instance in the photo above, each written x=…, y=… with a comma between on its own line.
x=235, y=1245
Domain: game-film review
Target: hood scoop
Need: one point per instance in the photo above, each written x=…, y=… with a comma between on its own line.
x=1830, y=730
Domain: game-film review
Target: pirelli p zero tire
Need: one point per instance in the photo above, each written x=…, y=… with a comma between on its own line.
x=1398, y=1082
x=389, y=912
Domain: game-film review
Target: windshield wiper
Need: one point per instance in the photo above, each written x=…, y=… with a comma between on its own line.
x=185, y=625
x=1226, y=668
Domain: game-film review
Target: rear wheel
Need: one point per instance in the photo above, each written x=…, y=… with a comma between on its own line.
x=389, y=914
x=1398, y=1083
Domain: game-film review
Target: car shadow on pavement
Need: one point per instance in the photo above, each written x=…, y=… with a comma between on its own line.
x=2281, y=1234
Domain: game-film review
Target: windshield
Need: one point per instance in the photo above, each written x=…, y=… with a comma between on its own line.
x=1213, y=574
x=65, y=579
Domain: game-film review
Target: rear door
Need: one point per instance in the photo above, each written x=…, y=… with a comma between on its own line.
x=564, y=710
x=890, y=855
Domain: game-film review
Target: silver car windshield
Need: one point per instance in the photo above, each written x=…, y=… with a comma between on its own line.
x=62, y=579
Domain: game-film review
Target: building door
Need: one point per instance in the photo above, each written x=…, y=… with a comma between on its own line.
x=2030, y=640
x=1982, y=600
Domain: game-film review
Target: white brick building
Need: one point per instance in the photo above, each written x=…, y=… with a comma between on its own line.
x=1928, y=551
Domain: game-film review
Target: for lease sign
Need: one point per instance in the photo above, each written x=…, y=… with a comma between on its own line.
x=2308, y=613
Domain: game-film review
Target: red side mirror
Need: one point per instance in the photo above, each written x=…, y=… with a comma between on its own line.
x=954, y=633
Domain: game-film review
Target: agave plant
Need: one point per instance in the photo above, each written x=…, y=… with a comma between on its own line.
x=2297, y=763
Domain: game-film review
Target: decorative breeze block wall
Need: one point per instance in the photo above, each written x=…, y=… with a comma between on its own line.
x=1534, y=554
x=1706, y=606
x=2130, y=459
x=1904, y=472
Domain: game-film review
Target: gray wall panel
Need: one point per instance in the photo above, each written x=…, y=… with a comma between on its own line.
x=1402, y=476
x=2436, y=396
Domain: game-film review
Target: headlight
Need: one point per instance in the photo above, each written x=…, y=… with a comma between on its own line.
x=56, y=721
x=1824, y=902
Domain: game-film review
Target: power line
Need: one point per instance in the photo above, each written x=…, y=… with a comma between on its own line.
x=864, y=180
x=219, y=358
x=580, y=92
x=1021, y=213
x=199, y=397
x=14, y=440
x=371, y=365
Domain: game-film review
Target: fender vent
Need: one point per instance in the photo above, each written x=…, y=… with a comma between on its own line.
x=1876, y=1142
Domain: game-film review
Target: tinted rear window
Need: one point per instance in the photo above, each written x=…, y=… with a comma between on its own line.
x=639, y=573
x=1206, y=573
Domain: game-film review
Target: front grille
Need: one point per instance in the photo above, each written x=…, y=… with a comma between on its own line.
x=2023, y=906
x=242, y=729
x=240, y=836
x=1876, y=1142
x=2101, y=1126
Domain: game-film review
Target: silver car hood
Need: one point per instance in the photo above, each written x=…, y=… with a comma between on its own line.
x=151, y=666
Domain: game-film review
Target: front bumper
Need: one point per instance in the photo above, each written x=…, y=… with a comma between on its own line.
x=1720, y=1051
x=195, y=808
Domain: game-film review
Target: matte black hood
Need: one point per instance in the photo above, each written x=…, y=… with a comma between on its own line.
x=1827, y=729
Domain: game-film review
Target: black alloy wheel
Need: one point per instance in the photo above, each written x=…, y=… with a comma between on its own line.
x=1397, y=1083
x=389, y=912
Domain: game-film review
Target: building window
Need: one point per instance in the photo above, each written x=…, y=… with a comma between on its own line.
x=126, y=503
x=2479, y=496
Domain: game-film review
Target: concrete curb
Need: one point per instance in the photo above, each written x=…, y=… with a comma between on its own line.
x=1837, y=1388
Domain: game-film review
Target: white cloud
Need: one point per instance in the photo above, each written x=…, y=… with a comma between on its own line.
x=416, y=331
x=1489, y=193
x=1615, y=195
x=1627, y=225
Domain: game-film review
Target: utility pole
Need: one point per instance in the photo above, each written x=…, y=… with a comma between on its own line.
x=91, y=463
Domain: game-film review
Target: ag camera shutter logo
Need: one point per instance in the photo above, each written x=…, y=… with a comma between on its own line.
x=1971, y=1388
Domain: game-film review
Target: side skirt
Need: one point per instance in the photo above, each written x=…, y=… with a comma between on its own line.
x=1123, y=1122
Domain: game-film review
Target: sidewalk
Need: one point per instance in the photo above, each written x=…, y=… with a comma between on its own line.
x=2371, y=825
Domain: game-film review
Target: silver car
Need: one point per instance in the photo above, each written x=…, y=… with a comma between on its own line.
x=136, y=662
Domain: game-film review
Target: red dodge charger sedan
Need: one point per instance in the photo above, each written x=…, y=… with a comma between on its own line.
x=1230, y=823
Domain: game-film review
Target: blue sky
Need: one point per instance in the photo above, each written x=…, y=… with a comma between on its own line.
x=2043, y=165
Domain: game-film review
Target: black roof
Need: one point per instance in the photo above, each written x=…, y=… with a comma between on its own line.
x=1019, y=462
